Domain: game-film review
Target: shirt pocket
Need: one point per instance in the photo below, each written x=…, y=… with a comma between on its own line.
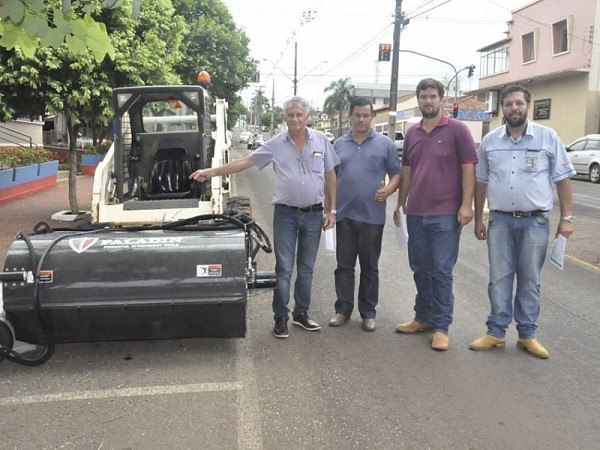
x=317, y=163
x=374, y=163
x=535, y=161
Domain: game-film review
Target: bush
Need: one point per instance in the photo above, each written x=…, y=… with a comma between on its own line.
x=99, y=149
x=21, y=156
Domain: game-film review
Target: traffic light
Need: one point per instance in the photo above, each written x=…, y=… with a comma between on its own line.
x=455, y=110
x=471, y=70
x=384, y=52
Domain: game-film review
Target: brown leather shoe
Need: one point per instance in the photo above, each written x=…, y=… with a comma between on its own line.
x=368, y=324
x=533, y=347
x=338, y=320
x=440, y=341
x=412, y=327
x=486, y=342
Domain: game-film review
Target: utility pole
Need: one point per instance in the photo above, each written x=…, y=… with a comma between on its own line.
x=272, y=108
x=295, y=67
x=398, y=22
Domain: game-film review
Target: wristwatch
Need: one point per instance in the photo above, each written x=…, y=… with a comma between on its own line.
x=333, y=211
x=568, y=219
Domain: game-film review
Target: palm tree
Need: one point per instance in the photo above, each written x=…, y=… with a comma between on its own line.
x=339, y=98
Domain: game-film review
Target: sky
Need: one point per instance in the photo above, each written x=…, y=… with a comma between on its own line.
x=340, y=38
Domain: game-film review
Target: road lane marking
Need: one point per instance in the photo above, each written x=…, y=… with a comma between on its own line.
x=249, y=418
x=123, y=392
x=587, y=264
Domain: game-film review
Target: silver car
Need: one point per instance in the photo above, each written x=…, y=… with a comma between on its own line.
x=584, y=154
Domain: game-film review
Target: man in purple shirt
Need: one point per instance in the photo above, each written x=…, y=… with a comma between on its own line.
x=366, y=158
x=438, y=179
x=303, y=161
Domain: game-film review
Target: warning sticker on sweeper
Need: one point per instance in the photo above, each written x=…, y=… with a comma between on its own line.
x=209, y=270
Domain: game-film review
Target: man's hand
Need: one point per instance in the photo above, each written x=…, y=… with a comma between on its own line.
x=329, y=220
x=202, y=175
x=480, y=230
x=382, y=193
x=565, y=228
x=465, y=215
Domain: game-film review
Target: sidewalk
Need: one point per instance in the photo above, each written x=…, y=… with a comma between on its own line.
x=22, y=214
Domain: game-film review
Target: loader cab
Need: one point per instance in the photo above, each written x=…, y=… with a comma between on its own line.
x=163, y=135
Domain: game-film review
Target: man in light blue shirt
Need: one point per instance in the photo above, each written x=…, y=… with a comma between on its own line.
x=366, y=158
x=518, y=165
x=304, y=203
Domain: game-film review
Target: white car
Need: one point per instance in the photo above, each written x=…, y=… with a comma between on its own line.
x=584, y=153
x=244, y=136
x=255, y=141
x=330, y=137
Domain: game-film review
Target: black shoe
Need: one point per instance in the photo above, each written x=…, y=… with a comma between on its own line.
x=306, y=322
x=280, y=330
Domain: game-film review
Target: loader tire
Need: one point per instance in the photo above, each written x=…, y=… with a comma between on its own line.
x=238, y=205
x=6, y=338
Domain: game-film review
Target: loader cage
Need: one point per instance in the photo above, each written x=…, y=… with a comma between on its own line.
x=163, y=135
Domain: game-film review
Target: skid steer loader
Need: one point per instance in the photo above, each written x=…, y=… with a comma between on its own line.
x=161, y=257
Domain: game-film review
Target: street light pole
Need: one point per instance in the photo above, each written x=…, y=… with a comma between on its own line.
x=295, y=67
x=445, y=62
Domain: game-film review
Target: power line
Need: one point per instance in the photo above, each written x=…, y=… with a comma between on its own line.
x=361, y=49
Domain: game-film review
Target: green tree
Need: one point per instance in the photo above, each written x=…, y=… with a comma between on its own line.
x=30, y=24
x=340, y=93
x=217, y=45
x=79, y=87
x=277, y=112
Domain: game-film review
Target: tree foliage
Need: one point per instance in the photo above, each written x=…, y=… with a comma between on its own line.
x=80, y=88
x=215, y=44
x=339, y=98
x=52, y=60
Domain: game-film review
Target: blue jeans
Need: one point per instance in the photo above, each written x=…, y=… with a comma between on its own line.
x=294, y=231
x=363, y=240
x=433, y=243
x=517, y=247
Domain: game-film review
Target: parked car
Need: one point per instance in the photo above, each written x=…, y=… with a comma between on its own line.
x=255, y=141
x=244, y=136
x=330, y=137
x=398, y=141
x=584, y=153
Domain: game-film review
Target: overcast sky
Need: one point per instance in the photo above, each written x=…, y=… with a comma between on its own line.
x=340, y=38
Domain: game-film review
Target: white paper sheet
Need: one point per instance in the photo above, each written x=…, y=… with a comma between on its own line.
x=557, y=253
x=330, y=239
x=401, y=231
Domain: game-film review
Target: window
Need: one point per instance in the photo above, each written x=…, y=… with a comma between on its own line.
x=168, y=116
x=593, y=144
x=560, y=37
x=528, y=47
x=494, y=60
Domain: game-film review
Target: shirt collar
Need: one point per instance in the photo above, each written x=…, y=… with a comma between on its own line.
x=445, y=120
x=528, y=131
x=348, y=135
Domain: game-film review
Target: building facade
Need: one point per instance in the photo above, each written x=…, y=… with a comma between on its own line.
x=551, y=47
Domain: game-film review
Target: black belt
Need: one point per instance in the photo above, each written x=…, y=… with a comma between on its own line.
x=537, y=212
x=315, y=207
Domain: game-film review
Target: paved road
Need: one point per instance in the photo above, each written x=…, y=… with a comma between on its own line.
x=332, y=389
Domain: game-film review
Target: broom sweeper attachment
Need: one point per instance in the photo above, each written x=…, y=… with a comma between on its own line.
x=184, y=279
